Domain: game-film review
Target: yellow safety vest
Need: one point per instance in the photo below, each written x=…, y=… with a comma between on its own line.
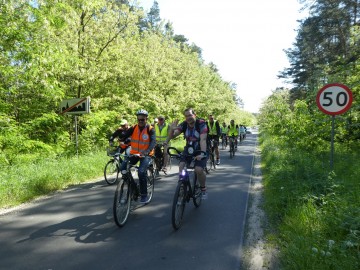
x=161, y=135
x=233, y=130
x=212, y=130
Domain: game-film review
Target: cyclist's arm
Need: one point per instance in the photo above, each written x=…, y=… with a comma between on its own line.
x=152, y=141
x=174, y=131
x=203, y=142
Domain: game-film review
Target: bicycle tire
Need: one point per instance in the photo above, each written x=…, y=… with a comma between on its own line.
x=178, y=206
x=196, y=192
x=111, y=172
x=150, y=183
x=122, y=203
x=213, y=162
x=208, y=164
x=232, y=149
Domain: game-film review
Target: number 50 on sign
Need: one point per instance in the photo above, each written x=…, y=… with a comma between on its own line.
x=334, y=99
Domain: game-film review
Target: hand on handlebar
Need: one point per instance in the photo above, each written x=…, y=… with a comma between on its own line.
x=200, y=157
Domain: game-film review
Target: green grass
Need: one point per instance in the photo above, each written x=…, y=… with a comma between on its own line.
x=21, y=183
x=314, y=212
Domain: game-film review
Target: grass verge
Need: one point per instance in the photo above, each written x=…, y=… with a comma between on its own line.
x=314, y=212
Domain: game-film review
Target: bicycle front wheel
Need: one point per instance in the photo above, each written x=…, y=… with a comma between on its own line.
x=150, y=183
x=213, y=163
x=208, y=164
x=111, y=172
x=178, y=206
x=122, y=202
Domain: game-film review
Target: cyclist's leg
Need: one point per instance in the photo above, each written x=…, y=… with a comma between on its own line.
x=144, y=164
x=216, y=148
x=201, y=176
x=166, y=158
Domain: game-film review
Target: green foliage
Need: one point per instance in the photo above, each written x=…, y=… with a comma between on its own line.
x=26, y=181
x=313, y=210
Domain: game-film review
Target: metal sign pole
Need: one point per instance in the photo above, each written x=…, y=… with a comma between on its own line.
x=332, y=142
x=76, y=136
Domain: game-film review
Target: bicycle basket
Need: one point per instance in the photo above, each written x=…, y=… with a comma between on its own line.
x=113, y=151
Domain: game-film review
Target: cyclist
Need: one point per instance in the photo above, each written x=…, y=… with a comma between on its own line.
x=123, y=144
x=224, y=131
x=242, y=132
x=233, y=131
x=143, y=140
x=162, y=131
x=195, y=133
x=214, y=134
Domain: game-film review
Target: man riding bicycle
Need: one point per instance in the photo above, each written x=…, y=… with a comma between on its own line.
x=224, y=131
x=233, y=131
x=195, y=133
x=214, y=134
x=162, y=132
x=143, y=140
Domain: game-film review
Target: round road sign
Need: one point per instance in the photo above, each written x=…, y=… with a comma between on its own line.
x=334, y=98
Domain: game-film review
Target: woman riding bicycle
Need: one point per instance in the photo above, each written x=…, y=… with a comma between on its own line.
x=143, y=140
x=195, y=133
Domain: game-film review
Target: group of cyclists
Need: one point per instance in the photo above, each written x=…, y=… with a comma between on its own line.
x=139, y=141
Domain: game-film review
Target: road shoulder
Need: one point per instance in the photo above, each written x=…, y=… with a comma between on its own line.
x=257, y=253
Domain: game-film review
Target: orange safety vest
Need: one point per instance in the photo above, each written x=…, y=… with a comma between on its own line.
x=140, y=141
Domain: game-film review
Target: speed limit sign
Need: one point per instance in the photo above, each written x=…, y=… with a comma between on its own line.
x=334, y=98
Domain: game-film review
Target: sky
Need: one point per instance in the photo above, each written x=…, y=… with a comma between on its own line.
x=245, y=39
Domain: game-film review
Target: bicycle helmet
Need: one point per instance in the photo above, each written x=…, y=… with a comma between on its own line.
x=142, y=112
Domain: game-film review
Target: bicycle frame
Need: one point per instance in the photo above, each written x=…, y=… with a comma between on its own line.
x=232, y=140
x=128, y=190
x=185, y=189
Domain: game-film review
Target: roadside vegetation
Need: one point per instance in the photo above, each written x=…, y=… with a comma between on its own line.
x=313, y=208
x=314, y=211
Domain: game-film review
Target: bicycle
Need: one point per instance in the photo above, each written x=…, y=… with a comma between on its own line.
x=159, y=159
x=112, y=167
x=128, y=191
x=211, y=163
x=186, y=189
x=232, y=140
x=224, y=141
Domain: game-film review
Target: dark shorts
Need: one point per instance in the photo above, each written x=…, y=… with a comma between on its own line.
x=198, y=163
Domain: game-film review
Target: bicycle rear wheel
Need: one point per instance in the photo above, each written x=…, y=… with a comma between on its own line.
x=111, y=172
x=196, y=192
x=178, y=206
x=122, y=202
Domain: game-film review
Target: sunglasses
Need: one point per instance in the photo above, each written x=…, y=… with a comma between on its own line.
x=161, y=119
x=141, y=119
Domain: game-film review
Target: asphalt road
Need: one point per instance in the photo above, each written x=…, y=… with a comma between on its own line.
x=74, y=229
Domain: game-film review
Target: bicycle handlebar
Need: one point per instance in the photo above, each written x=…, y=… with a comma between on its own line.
x=179, y=154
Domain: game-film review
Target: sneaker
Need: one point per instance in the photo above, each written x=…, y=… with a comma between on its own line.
x=204, y=195
x=218, y=162
x=144, y=199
